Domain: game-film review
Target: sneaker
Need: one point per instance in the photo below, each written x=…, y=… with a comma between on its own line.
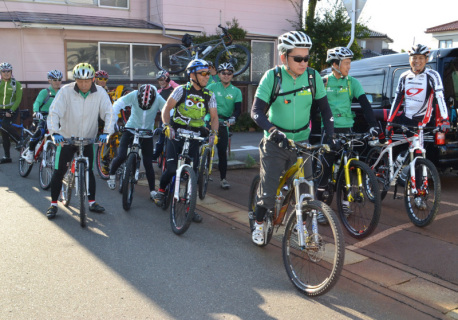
x=5, y=160
x=152, y=194
x=257, y=236
x=112, y=182
x=224, y=184
x=159, y=198
x=29, y=156
x=95, y=207
x=321, y=218
x=51, y=213
x=197, y=217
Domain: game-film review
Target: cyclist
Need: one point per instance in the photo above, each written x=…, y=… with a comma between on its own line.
x=422, y=89
x=190, y=103
x=41, y=109
x=213, y=74
x=229, y=101
x=341, y=89
x=74, y=113
x=10, y=98
x=167, y=86
x=288, y=118
x=101, y=79
x=144, y=103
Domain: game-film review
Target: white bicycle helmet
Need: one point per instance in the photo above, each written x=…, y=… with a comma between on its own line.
x=55, y=74
x=293, y=39
x=339, y=53
x=5, y=66
x=420, y=49
x=83, y=71
x=146, y=96
x=226, y=66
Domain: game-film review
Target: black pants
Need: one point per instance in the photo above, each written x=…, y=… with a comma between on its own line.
x=328, y=159
x=64, y=156
x=174, y=148
x=223, y=141
x=147, y=154
x=41, y=129
x=7, y=131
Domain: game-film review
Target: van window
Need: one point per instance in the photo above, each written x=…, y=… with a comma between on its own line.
x=450, y=78
x=372, y=85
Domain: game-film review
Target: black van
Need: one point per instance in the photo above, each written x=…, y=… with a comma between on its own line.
x=379, y=77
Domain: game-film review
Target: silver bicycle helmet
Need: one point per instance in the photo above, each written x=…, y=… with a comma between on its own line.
x=55, y=74
x=339, y=53
x=226, y=66
x=293, y=39
x=5, y=66
x=83, y=71
x=420, y=49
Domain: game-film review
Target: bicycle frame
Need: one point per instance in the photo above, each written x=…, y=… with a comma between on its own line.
x=17, y=126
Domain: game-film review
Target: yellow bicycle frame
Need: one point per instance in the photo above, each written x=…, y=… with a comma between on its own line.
x=347, y=179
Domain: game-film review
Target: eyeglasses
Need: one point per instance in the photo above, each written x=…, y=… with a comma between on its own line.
x=204, y=73
x=57, y=80
x=6, y=71
x=102, y=79
x=230, y=73
x=299, y=59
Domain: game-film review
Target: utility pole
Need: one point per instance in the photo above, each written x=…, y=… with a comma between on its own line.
x=354, y=8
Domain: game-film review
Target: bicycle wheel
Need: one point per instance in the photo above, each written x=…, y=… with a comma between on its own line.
x=129, y=181
x=315, y=268
x=423, y=206
x=67, y=188
x=120, y=175
x=175, y=58
x=82, y=192
x=47, y=168
x=182, y=209
x=103, y=163
x=202, y=180
x=382, y=170
x=237, y=55
x=24, y=166
x=359, y=204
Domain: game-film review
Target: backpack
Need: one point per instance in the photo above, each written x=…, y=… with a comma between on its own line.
x=46, y=100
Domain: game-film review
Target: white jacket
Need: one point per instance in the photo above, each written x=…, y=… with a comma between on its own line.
x=72, y=115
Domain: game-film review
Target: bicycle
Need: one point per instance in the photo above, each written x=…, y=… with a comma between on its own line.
x=356, y=186
x=73, y=178
x=422, y=199
x=175, y=57
x=181, y=192
x=313, y=255
x=105, y=155
x=45, y=153
x=24, y=137
x=132, y=166
x=205, y=168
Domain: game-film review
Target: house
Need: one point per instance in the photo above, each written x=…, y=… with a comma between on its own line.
x=445, y=35
x=375, y=45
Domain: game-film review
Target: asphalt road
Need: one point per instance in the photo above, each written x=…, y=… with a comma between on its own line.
x=129, y=265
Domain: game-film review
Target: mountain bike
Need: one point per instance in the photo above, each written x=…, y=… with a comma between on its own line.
x=175, y=57
x=356, y=186
x=132, y=166
x=181, y=192
x=161, y=159
x=313, y=254
x=422, y=190
x=105, y=155
x=77, y=176
x=205, y=168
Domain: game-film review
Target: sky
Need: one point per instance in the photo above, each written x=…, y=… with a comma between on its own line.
x=405, y=20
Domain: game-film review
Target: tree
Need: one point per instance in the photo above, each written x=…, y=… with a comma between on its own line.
x=328, y=30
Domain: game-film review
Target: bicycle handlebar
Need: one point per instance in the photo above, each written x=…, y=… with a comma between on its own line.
x=405, y=127
x=308, y=147
x=191, y=136
x=79, y=141
x=140, y=131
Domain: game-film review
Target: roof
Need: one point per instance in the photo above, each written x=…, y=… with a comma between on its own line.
x=451, y=26
x=78, y=20
x=375, y=34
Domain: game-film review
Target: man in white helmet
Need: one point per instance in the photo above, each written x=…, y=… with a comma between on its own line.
x=288, y=118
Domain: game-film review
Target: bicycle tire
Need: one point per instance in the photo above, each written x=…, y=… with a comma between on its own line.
x=46, y=171
x=120, y=174
x=238, y=55
x=67, y=188
x=202, y=180
x=175, y=58
x=364, y=211
x=382, y=171
x=24, y=167
x=182, y=209
x=414, y=204
x=82, y=192
x=315, y=270
x=99, y=160
x=129, y=182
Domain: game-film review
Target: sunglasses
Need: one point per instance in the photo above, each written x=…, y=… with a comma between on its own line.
x=299, y=59
x=204, y=73
x=227, y=73
x=6, y=71
x=57, y=80
x=102, y=79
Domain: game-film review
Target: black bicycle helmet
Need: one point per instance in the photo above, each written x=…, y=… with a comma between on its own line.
x=146, y=96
